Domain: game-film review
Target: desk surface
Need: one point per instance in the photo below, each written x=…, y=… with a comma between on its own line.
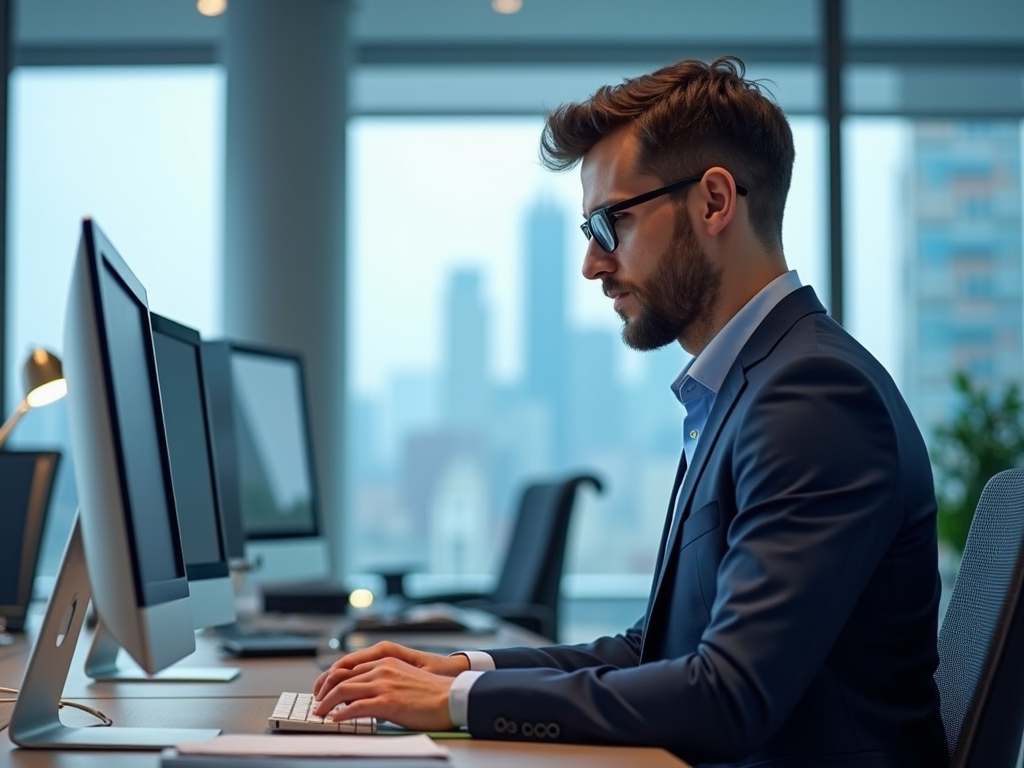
x=242, y=706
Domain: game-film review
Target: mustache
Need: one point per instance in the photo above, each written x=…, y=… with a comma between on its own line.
x=610, y=287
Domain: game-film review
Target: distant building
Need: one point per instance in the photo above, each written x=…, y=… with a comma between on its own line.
x=466, y=390
x=965, y=287
x=544, y=315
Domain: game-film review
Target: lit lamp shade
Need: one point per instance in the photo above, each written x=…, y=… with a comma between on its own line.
x=43, y=377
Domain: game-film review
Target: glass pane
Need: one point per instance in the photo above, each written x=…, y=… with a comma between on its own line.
x=479, y=356
x=935, y=288
x=140, y=150
x=934, y=279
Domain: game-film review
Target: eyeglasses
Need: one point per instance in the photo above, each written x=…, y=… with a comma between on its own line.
x=601, y=223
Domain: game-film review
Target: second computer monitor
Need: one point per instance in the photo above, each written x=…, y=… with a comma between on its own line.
x=180, y=372
x=268, y=458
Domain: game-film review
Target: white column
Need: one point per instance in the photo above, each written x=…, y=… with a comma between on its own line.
x=284, y=213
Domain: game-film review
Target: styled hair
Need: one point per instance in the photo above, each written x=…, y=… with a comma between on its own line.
x=688, y=116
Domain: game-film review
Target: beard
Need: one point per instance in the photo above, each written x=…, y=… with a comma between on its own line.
x=676, y=299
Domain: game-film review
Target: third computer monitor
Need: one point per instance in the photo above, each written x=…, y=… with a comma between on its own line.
x=264, y=452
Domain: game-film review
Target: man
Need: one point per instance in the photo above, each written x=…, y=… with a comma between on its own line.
x=792, y=619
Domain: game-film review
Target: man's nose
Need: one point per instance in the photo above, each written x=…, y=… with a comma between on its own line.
x=597, y=262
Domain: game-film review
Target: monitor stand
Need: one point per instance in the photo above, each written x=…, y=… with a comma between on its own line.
x=101, y=665
x=35, y=719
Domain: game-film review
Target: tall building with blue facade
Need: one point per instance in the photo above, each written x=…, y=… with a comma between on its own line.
x=965, y=296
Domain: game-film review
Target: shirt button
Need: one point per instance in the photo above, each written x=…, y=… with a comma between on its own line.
x=693, y=434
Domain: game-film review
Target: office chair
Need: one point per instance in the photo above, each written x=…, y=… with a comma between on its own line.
x=981, y=643
x=527, y=592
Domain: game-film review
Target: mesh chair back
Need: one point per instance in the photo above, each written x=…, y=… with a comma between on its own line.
x=532, y=571
x=981, y=644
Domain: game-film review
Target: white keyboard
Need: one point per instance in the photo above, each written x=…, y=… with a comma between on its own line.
x=294, y=713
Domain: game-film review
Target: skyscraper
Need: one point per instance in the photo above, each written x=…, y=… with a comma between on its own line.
x=545, y=315
x=466, y=390
x=965, y=289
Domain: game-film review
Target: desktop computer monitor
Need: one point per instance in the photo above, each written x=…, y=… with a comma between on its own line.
x=211, y=596
x=216, y=360
x=124, y=551
x=267, y=460
x=186, y=415
x=26, y=483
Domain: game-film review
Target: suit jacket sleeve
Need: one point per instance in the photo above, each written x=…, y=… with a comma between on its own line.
x=618, y=651
x=814, y=462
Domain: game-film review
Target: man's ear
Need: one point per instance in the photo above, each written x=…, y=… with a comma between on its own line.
x=718, y=200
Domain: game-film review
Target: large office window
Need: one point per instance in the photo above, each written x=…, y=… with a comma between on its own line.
x=479, y=356
x=934, y=278
x=140, y=150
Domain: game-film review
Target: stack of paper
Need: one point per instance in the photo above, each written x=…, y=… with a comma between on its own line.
x=306, y=751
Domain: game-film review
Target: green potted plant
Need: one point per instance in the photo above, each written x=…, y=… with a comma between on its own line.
x=984, y=437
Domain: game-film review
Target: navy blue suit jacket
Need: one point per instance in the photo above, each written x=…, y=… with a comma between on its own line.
x=793, y=616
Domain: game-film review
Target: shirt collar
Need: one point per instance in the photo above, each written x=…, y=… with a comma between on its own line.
x=710, y=367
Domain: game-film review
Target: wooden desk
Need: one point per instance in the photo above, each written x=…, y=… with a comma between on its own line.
x=242, y=706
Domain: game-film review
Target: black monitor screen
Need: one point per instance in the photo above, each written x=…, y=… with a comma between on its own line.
x=191, y=466
x=16, y=473
x=274, y=460
x=133, y=379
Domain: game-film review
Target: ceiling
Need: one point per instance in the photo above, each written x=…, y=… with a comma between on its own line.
x=574, y=22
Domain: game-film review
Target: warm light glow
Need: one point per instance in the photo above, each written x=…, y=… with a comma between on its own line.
x=48, y=393
x=361, y=598
x=211, y=7
x=507, y=6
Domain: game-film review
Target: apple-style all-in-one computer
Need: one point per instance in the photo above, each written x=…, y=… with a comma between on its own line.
x=124, y=551
x=265, y=459
x=265, y=464
x=211, y=596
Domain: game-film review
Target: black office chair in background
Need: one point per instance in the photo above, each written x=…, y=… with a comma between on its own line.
x=981, y=642
x=527, y=592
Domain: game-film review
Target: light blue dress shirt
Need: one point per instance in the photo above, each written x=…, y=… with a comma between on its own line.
x=695, y=388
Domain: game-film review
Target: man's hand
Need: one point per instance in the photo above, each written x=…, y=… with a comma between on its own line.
x=388, y=689
x=449, y=666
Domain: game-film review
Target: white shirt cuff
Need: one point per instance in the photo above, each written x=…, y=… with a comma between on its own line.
x=479, y=661
x=458, y=697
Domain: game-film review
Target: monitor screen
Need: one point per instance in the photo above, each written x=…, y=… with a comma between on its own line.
x=16, y=473
x=144, y=460
x=179, y=366
x=26, y=483
x=275, y=463
x=265, y=457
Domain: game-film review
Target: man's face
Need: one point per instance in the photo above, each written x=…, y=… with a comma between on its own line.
x=662, y=283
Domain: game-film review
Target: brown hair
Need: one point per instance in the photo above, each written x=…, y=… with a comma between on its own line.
x=689, y=116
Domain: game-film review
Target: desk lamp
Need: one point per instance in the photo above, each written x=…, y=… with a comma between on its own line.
x=44, y=382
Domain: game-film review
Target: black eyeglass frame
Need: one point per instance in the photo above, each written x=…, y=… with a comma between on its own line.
x=605, y=233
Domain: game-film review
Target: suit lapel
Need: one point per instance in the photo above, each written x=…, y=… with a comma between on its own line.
x=660, y=560
x=779, y=321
